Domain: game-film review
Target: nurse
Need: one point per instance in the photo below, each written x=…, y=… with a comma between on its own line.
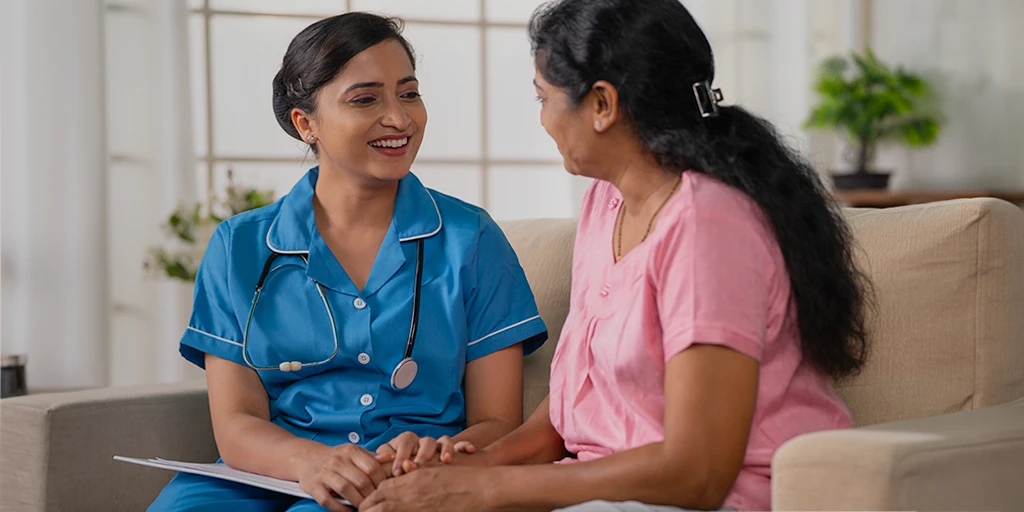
x=362, y=312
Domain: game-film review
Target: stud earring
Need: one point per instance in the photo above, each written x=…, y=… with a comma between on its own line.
x=311, y=139
x=597, y=125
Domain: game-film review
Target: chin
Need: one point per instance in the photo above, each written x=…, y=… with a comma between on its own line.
x=393, y=172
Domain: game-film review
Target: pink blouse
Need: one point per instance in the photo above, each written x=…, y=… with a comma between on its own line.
x=711, y=272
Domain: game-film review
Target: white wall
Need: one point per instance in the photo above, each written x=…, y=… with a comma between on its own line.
x=150, y=172
x=973, y=52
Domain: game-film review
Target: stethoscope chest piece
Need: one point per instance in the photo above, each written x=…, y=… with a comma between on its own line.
x=404, y=373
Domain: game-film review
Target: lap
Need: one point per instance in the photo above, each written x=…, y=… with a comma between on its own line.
x=196, y=493
x=620, y=506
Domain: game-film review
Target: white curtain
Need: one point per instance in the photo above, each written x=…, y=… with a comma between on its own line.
x=97, y=150
x=55, y=292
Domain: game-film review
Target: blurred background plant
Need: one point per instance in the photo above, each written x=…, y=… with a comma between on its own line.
x=869, y=102
x=188, y=230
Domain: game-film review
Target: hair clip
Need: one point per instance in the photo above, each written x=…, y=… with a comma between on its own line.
x=713, y=95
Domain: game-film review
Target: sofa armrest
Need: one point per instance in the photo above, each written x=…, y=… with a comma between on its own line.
x=970, y=460
x=56, y=449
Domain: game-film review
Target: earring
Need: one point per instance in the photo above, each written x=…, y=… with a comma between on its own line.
x=597, y=125
x=311, y=139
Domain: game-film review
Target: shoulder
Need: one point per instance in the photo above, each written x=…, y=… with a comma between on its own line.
x=249, y=227
x=460, y=219
x=705, y=200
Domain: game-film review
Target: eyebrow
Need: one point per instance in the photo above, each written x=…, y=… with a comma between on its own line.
x=535, y=84
x=362, y=85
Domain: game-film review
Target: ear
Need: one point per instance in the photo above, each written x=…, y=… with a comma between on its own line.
x=305, y=125
x=605, y=105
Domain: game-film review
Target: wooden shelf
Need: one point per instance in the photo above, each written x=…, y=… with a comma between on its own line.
x=886, y=199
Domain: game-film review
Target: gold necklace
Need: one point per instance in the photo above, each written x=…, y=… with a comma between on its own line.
x=650, y=225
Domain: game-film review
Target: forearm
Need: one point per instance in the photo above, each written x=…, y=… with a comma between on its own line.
x=256, y=445
x=486, y=432
x=646, y=474
x=535, y=442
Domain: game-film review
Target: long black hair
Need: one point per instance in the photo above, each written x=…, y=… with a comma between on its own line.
x=653, y=52
x=318, y=53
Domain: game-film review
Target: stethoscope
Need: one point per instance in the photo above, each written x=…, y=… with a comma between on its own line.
x=404, y=373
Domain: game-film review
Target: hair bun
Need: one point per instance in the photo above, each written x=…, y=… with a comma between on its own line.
x=283, y=106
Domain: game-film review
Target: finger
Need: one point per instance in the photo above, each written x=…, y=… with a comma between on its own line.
x=465, y=447
x=426, y=451
x=404, y=445
x=409, y=466
x=324, y=496
x=376, y=502
x=369, y=466
x=446, y=446
x=385, y=449
x=356, y=486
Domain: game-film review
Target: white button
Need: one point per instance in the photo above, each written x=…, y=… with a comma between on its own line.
x=363, y=358
x=366, y=400
x=359, y=303
x=353, y=437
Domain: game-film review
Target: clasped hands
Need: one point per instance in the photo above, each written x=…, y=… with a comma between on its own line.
x=353, y=473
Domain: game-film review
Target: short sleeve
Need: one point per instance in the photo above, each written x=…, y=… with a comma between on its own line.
x=714, y=284
x=213, y=327
x=500, y=306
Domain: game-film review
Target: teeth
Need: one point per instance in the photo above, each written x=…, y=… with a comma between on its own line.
x=390, y=143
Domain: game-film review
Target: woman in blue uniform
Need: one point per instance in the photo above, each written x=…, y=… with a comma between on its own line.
x=362, y=312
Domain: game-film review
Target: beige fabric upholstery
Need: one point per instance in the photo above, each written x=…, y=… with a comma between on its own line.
x=948, y=330
x=544, y=248
x=57, y=449
x=947, y=335
x=971, y=460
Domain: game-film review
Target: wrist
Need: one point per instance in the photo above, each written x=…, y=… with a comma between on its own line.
x=301, y=454
x=496, y=487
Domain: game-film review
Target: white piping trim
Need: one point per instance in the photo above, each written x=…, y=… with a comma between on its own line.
x=190, y=328
x=274, y=249
x=440, y=222
x=499, y=331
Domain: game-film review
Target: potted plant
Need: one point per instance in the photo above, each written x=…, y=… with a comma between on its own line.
x=870, y=103
x=190, y=230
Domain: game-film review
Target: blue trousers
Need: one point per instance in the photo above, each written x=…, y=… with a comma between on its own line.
x=195, y=493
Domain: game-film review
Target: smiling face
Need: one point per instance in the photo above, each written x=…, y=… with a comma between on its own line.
x=369, y=119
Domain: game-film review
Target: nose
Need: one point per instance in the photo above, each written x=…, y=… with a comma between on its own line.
x=395, y=116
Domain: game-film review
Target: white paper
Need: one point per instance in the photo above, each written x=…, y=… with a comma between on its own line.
x=224, y=472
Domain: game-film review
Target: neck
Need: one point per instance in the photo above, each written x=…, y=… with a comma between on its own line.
x=642, y=183
x=342, y=202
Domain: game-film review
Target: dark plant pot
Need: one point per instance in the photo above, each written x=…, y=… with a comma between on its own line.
x=864, y=180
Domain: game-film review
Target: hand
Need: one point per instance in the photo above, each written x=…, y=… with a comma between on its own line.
x=411, y=451
x=348, y=471
x=452, y=489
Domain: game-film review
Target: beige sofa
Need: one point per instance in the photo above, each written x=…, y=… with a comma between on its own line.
x=939, y=409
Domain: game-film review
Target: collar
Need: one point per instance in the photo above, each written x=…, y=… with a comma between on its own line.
x=293, y=230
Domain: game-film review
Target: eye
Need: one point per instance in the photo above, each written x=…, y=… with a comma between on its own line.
x=366, y=100
x=412, y=95
x=540, y=100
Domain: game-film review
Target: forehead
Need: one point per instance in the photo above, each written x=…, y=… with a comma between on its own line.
x=386, y=61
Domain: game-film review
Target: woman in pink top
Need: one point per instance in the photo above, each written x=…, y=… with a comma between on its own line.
x=713, y=293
